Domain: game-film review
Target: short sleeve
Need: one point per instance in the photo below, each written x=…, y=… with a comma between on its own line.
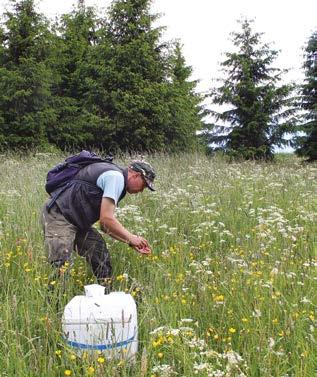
x=112, y=184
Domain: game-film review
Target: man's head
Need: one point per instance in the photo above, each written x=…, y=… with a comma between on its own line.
x=140, y=175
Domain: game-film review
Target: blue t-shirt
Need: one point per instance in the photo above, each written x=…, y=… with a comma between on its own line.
x=112, y=184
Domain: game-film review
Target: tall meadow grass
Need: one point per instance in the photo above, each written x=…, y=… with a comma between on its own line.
x=229, y=290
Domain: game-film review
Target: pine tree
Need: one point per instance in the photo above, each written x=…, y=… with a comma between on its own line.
x=259, y=112
x=307, y=145
x=25, y=79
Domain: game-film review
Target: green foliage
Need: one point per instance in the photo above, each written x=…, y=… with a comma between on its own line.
x=307, y=144
x=93, y=81
x=74, y=41
x=258, y=112
x=25, y=97
x=150, y=110
x=185, y=104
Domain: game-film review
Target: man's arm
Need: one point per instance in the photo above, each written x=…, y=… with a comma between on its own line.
x=116, y=230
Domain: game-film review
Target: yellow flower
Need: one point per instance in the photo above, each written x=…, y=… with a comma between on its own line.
x=58, y=352
x=160, y=355
x=232, y=330
x=91, y=370
x=275, y=321
x=219, y=298
x=72, y=357
x=101, y=359
x=170, y=340
x=67, y=372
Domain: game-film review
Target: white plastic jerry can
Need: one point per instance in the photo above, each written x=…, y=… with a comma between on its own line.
x=99, y=322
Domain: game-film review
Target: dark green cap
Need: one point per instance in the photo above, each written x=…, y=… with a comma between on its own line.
x=146, y=170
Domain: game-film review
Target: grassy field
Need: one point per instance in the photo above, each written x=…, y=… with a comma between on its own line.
x=230, y=289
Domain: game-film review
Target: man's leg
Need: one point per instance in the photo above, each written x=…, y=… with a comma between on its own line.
x=59, y=236
x=92, y=246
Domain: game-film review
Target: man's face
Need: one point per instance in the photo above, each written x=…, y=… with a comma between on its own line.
x=136, y=182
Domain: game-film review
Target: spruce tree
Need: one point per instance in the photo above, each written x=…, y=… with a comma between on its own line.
x=185, y=109
x=76, y=37
x=149, y=108
x=138, y=73
x=307, y=144
x=25, y=79
x=259, y=111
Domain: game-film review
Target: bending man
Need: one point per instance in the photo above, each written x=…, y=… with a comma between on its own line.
x=92, y=196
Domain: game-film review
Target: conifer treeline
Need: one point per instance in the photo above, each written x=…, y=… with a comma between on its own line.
x=94, y=81
x=108, y=81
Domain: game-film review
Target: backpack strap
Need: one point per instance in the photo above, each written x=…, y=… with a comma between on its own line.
x=56, y=194
x=59, y=191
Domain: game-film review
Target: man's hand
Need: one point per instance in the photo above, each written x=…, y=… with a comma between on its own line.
x=145, y=250
x=140, y=244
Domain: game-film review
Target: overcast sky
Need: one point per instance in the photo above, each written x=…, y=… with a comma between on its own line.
x=203, y=27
